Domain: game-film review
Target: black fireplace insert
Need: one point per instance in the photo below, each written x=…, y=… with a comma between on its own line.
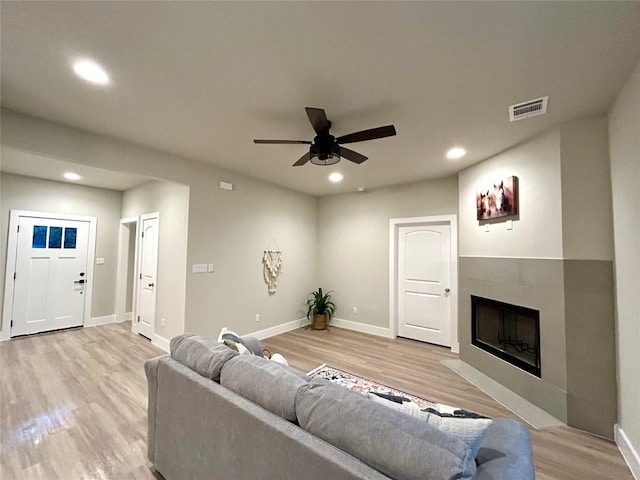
x=507, y=331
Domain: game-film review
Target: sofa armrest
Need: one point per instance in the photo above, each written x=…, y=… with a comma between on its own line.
x=505, y=452
x=151, y=370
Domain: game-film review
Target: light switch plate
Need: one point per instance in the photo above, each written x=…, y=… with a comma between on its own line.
x=212, y=268
x=199, y=268
x=509, y=224
x=99, y=261
x=487, y=227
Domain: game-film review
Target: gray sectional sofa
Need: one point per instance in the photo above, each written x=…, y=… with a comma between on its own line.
x=214, y=414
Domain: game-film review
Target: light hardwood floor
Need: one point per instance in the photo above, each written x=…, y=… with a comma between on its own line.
x=415, y=367
x=73, y=403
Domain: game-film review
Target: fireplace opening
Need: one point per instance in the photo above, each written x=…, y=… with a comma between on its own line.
x=507, y=331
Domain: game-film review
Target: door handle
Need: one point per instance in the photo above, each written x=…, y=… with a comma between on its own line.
x=81, y=281
x=446, y=290
x=152, y=285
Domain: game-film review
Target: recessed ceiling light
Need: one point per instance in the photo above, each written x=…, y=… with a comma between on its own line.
x=336, y=177
x=456, y=152
x=360, y=189
x=91, y=72
x=72, y=176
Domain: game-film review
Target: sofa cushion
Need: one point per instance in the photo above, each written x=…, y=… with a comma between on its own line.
x=201, y=354
x=471, y=430
x=396, y=444
x=266, y=383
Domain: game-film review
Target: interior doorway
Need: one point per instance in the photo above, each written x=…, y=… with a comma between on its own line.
x=127, y=271
x=423, y=279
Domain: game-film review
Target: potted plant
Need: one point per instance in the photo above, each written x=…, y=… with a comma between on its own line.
x=321, y=307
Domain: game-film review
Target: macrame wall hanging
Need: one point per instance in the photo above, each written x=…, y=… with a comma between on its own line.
x=272, y=262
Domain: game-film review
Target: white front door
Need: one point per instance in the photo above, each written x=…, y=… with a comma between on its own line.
x=424, y=276
x=50, y=274
x=148, y=273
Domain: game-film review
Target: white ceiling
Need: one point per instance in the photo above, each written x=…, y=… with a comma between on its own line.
x=203, y=79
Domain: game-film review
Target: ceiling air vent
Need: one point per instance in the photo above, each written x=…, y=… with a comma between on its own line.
x=527, y=109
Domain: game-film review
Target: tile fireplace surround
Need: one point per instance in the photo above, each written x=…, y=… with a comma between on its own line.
x=577, y=344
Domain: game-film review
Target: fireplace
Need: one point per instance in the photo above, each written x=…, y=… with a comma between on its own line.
x=507, y=331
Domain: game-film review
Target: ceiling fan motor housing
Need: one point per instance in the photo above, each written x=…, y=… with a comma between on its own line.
x=324, y=147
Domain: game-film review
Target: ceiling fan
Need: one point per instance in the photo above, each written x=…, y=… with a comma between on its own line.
x=327, y=149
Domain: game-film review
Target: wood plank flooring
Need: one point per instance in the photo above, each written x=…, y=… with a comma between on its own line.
x=415, y=367
x=73, y=403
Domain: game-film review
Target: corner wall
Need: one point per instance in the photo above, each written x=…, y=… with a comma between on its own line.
x=557, y=259
x=228, y=229
x=171, y=201
x=624, y=148
x=18, y=192
x=353, y=243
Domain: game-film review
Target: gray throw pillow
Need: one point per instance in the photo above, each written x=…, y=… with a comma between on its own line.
x=201, y=354
x=397, y=445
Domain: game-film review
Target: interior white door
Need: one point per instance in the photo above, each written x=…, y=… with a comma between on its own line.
x=50, y=275
x=424, y=275
x=148, y=274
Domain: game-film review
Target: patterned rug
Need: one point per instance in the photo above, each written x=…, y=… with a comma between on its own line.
x=364, y=386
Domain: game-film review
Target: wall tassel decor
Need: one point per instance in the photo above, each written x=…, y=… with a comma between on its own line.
x=272, y=261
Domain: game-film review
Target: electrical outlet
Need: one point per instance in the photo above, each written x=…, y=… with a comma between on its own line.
x=257, y=317
x=355, y=310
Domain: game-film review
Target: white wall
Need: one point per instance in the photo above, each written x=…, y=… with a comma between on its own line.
x=230, y=229
x=353, y=242
x=586, y=190
x=171, y=201
x=538, y=231
x=18, y=192
x=624, y=147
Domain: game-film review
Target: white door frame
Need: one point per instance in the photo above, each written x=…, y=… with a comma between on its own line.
x=394, y=225
x=123, y=270
x=12, y=251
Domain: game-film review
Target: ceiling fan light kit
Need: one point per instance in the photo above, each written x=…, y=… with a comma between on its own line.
x=327, y=149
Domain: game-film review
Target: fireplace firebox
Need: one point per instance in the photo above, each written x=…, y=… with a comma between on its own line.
x=510, y=332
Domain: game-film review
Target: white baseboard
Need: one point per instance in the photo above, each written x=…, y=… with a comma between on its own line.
x=278, y=329
x=95, y=321
x=361, y=327
x=629, y=453
x=128, y=317
x=160, y=342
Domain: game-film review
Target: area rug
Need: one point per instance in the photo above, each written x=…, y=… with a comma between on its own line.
x=365, y=387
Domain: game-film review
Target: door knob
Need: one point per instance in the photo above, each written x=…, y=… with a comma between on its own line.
x=81, y=281
x=152, y=285
x=446, y=290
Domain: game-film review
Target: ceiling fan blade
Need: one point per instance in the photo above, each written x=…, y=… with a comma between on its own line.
x=355, y=157
x=278, y=142
x=318, y=120
x=371, y=134
x=303, y=159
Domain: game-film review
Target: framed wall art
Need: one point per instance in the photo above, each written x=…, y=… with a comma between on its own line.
x=500, y=199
